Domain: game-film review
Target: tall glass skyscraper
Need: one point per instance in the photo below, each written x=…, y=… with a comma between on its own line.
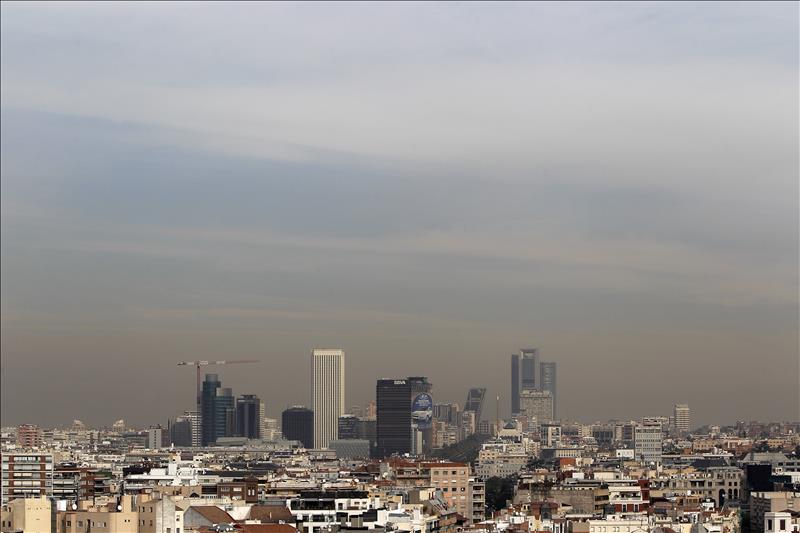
x=529, y=369
x=327, y=390
x=547, y=382
x=217, y=410
x=248, y=416
x=528, y=373
x=297, y=423
x=514, y=383
x=394, y=417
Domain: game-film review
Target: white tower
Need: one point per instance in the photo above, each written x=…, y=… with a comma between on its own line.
x=682, y=415
x=327, y=391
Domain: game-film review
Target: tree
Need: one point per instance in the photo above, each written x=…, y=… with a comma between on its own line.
x=499, y=490
x=465, y=451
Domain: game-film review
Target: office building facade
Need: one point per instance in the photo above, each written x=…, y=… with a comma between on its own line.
x=474, y=401
x=297, y=423
x=537, y=404
x=394, y=417
x=181, y=432
x=328, y=399
x=514, y=383
x=547, y=382
x=218, y=410
x=248, y=416
x=529, y=373
x=682, y=417
x=647, y=440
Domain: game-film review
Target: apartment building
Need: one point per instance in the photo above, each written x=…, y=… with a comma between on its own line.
x=26, y=475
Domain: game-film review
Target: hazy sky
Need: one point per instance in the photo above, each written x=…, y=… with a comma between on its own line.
x=427, y=186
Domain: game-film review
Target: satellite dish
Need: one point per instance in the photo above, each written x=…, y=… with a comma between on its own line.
x=74, y=506
x=119, y=508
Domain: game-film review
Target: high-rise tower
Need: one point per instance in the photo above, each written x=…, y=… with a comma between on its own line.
x=327, y=391
x=529, y=369
x=514, y=383
x=528, y=373
x=248, y=416
x=547, y=382
x=682, y=415
x=394, y=417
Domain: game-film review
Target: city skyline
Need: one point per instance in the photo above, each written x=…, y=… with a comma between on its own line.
x=428, y=186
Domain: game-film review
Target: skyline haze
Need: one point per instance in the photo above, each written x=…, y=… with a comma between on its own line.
x=427, y=186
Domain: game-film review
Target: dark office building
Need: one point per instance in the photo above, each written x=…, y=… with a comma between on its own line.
x=368, y=430
x=529, y=373
x=529, y=369
x=394, y=417
x=248, y=416
x=514, y=383
x=297, y=423
x=349, y=427
x=181, y=432
x=207, y=402
x=225, y=413
x=358, y=428
x=446, y=412
x=474, y=402
x=547, y=381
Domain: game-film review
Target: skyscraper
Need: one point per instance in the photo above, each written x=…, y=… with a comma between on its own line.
x=547, y=381
x=474, y=401
x=218, y=410
x=524, y=374
x=207, y=421
x=298, y=424
x=327, y=394
x=225, y=413
x=514, y=383
x=529, y=369
x=529, y=373
x=248, y=416
x=682, y=415
x=394, y=417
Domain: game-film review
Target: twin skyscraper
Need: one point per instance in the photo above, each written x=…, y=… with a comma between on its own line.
x=532, y=379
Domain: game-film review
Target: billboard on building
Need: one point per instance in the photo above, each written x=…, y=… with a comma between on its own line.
x=422, y=411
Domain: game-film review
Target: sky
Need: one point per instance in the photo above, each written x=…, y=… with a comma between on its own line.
x=428, y=186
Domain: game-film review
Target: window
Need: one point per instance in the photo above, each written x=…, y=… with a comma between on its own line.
x=783, y=524
x=769, y=523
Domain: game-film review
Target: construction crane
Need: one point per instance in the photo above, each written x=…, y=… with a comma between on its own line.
x=198, y=364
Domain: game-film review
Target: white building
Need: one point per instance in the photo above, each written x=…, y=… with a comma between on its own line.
x=537, y=404
x=154, y=436
x=327, y=369
x=269, y=428
x=647, y=443
x=781, y=522
x=682, y=416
